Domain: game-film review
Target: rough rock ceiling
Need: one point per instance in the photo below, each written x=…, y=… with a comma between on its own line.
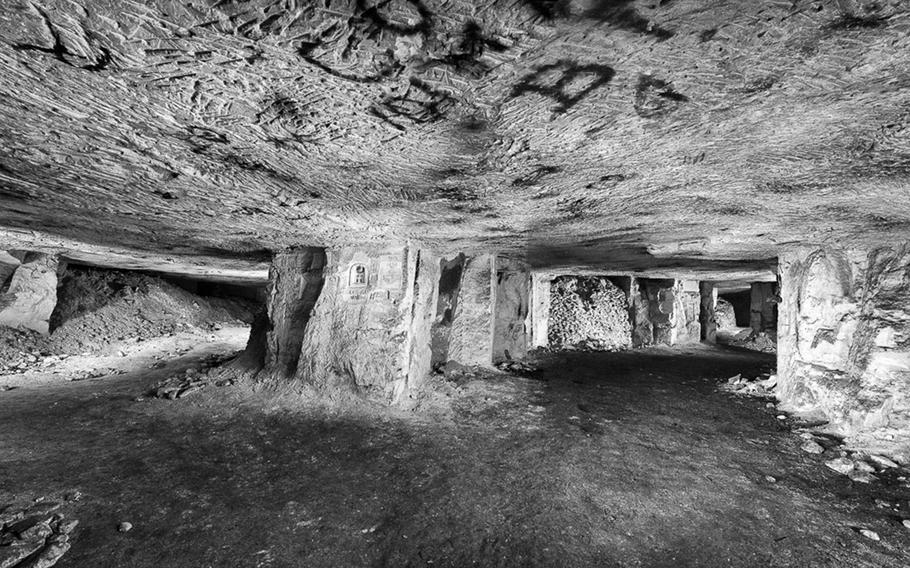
x=611, y=132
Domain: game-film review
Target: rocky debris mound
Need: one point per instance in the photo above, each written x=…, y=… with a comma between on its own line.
x=724, y=315
x=589, y=313
x=34, y=536
x=765, y=341
x=98, y=307
x=21, y=350
x=193, y=379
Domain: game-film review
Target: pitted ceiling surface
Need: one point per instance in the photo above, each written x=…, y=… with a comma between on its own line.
x=627, y=132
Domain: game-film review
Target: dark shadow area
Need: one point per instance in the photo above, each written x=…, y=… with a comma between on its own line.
x=607, y=460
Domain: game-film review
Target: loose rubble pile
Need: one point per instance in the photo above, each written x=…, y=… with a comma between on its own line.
x=99, y=309
x=96, y=308
x=193, y=380
x=33, y=537
x=858, y=466
x=519, y=368
x=588, y=313
x=764, y=341
x=21, y=350
x=760, y=386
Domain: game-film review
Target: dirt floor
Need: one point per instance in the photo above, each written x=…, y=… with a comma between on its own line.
x=603, y=459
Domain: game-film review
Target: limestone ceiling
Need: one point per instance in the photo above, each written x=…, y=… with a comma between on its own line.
x=612, y=132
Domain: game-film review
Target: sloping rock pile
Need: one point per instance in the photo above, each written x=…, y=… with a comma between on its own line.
x=33, y=537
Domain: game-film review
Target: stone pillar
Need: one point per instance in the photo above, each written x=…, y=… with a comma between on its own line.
x=686, y=308
x=540, y=309
x=423, y=278
x=472, y=326
x=655, y=323
x=295, y=281
x=32, y=293
x=370, y=328
x=640, y=314
x=706, y=313
x=844, y=342
x=763, y=311
x=510, y=327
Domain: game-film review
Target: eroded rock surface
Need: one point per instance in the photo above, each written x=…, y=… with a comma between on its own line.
x=843, y=347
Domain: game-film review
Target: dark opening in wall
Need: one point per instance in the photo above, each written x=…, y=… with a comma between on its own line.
x=449, y=287
x=741, y=303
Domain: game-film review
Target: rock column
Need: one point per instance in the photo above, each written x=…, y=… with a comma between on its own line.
x=32, y=293
x=763, y=310
x=540, y=309
x=295, y=281
x=510, y=330
x=844, y=342
x=471, y=340
x=370, y=329
x=707, y=312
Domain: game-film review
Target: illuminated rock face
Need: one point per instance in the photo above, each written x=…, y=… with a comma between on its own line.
x=370, y=328
x=844, y=341
x=471, y=341
x=32, y=293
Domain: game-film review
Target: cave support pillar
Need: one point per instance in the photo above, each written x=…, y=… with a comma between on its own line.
x=471, y=340
x=843, y=347
x=370, y=329
x=540, y=309
x=295, y=282
x=707, y=312
x=763, y=310
x=511, y=311
x=32, y=293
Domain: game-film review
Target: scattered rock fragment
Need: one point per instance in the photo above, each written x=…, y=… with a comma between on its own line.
x=906, y=523
x=124, y=527
x=883, y=462
x=870, y=534
x=842, y=466
x=862, y=477
x=812, y=447
x=32, y=537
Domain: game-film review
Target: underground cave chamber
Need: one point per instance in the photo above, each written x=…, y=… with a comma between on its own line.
x=380, y=320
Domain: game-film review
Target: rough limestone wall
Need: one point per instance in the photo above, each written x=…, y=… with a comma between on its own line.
x=370, y=329
x=686, y=309
x=588, y=312
x=32, y=294
x=540, y=309
x=844, y=342
x=471, y=340
x=763, y=307
x=724, y=314
x=707, y=314
x=510, y=327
